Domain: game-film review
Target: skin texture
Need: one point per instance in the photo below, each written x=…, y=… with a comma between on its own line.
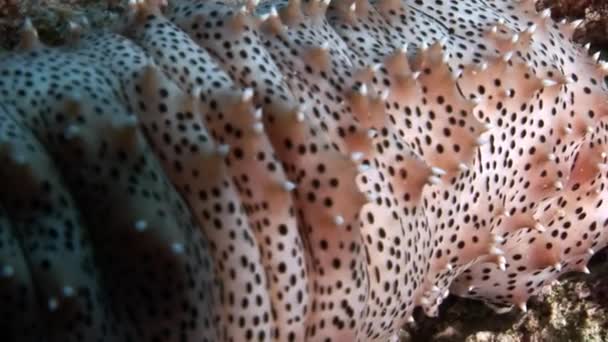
x=295, y=171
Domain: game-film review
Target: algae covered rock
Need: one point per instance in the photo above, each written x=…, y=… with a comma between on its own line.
x=52, y=17
x=574, y=309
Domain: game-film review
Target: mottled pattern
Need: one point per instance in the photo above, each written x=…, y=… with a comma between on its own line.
x=294, y=170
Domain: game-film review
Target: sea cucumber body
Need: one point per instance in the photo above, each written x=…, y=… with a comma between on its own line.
x=295, y=170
